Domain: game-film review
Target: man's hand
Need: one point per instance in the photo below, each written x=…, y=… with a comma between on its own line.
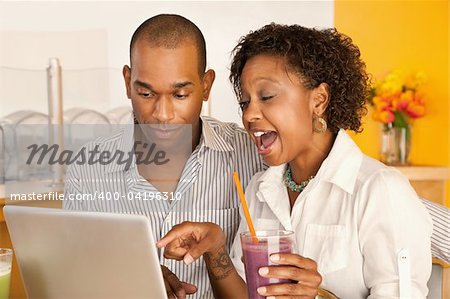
x=190, y=240
x=174, y=287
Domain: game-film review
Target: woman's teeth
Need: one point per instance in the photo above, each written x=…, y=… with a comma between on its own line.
x=264, y=139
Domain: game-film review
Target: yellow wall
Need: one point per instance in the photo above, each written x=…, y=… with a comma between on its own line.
x=411, y=36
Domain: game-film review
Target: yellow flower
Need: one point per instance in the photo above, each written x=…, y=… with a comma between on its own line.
x=416, y=80
x=391, y=84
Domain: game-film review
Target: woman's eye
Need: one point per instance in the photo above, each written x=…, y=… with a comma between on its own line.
x=265, y=98
x=243, y=105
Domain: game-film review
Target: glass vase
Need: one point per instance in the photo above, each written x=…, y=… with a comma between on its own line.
x=395, y=144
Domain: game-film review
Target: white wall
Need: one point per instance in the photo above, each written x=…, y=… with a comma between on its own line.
x=95, y=36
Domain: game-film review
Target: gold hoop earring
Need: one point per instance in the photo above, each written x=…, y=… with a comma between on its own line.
x=319, y=124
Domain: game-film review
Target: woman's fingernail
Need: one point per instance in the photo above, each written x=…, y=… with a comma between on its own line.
x=275, y=257
x=263, y=271
x=270, y=297
x=261, y=290
x=188, y=259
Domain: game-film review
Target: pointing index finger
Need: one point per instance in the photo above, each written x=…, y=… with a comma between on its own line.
x=176, y=232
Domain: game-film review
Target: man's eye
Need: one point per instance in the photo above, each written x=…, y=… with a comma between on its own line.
x=243, y=105
x=181, y=96
x=145, y=94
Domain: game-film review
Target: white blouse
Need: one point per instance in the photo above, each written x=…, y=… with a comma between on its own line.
x=360, y=220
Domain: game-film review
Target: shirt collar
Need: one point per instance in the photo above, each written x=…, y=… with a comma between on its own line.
x=271, y=189
x=271, y=182
x=211, y=138
x=342, y=165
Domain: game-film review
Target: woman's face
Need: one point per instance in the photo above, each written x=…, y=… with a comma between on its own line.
x=277, y=109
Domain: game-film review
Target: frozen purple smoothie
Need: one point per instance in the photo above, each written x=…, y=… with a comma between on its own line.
x=256, y=255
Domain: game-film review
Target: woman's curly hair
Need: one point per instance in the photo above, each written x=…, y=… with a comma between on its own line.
x=317, y=56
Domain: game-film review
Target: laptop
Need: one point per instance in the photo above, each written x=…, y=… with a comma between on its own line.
x=84, y=255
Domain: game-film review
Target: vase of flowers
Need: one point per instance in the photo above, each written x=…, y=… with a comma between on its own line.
x=396, y=103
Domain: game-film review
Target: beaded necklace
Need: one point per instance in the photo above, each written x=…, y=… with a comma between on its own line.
x=293, y=186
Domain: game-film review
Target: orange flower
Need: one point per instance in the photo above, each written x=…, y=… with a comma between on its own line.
x=404, y=100
x=380, y=103
x=415, y=110
x=384, y=116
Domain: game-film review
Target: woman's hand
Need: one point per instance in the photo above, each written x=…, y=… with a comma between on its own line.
x=190, y=240
x=293, y=267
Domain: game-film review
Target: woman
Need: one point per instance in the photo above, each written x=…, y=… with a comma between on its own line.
x=360, y=228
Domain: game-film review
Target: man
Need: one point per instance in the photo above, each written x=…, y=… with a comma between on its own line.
x=167, y=84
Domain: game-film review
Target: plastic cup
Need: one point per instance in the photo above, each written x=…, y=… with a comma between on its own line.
x=5, y=272
x=256, y=254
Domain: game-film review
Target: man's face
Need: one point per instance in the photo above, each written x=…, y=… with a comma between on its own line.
x=165, y=87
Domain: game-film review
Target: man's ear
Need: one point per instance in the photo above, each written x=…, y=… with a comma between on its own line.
x=321, y=98
x=208, y=80
x=126, y=72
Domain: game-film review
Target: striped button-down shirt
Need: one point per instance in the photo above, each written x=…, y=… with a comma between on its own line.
x=440, y=239
x=206, y=190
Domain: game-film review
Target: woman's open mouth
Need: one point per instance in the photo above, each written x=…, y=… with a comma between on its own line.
x=264, y=140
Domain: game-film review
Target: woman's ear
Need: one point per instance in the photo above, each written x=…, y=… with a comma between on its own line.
x=321, y=98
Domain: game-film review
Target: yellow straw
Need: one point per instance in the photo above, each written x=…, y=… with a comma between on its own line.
x=244, y=205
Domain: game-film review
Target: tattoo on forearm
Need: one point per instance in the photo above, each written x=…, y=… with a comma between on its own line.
x=219, y=264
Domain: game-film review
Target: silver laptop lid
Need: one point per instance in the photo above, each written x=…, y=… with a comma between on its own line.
x=72, y=254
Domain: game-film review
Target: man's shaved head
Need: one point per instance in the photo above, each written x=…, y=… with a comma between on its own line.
x=170, y=31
